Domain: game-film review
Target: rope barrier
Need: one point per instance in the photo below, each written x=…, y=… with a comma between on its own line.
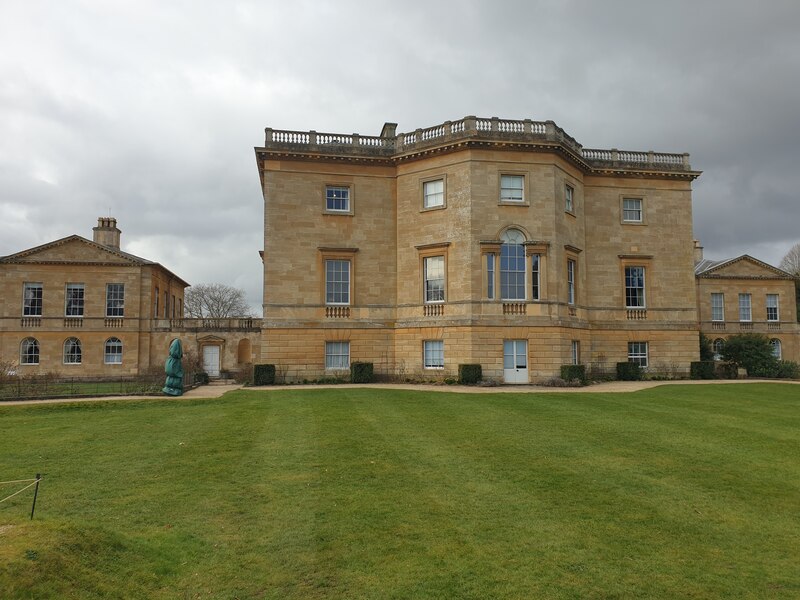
x=19, y=492
x=17, y=481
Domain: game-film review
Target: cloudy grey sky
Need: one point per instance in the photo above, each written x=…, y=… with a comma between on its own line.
x=149, y=110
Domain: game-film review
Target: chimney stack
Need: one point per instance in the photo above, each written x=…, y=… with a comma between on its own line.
x=698, y=251
x=106, y=232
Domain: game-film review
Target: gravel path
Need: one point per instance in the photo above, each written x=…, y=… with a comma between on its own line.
x=216, y=391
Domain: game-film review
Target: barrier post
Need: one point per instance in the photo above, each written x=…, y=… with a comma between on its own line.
x=35, y=493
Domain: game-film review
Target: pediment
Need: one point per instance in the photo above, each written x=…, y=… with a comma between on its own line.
x=210, y=339
x=745, y=267
x=73, y=249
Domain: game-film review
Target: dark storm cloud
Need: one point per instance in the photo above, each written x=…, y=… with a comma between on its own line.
x=150, y=110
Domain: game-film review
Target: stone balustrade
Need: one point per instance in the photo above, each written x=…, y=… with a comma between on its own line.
x=471, y=127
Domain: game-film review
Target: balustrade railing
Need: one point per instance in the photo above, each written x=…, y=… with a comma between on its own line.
x=433, y=310
x=637, y=314
x=494, y=128
x=337, y=312
x=514, y=308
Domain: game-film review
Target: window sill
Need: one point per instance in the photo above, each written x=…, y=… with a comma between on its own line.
x=430, y=208
x=513, y=203
x=338, y=213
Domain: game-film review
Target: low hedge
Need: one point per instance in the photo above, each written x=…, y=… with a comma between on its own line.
x=574, y=373
x=629, y=371
x=201, y=378
x=702, y=369
x=263, y=374
x=469, y=374
x=726, y=370
x=361, y=372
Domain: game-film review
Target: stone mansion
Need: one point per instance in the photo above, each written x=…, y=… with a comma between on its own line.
x=483, y=240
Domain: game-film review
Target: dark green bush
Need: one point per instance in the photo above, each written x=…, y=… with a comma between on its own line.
x=706, y=351
x=787, y=370
x=263, y=374
x=574, y=373
x=469, y=374
x=361, y=372
x=702, y=369
x=751, y=351
x=629, y=371
x=201, y=378
x=726, y=370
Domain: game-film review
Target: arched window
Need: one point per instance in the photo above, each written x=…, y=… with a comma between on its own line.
x=716, y=347
x=113, y=352
x=512, y=265
x=73, y=355
x=29, y=352
x=776, y=347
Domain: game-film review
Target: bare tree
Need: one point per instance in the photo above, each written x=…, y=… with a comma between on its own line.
x=215, y=301
x=791, y=262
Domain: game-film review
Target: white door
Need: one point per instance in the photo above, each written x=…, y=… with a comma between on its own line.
x=211, y=360
x=515, y=361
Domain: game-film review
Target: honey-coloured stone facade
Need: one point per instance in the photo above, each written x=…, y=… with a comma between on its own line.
x=483, y=197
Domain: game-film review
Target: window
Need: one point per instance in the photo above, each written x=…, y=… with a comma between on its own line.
x=433, y=354
x=569, y=202
x=337, y=282
x=337, y=355
x=155, y=305
x=115, y=300
x=29, y=352
x=535, y=276
x=337, y=198
x=173, y=306
x=634, y=287
x=576, y=352
x=166, y=304
x=631, y=210
x=717, y=307
x=745, y=311
x=570, y=281
x=637, y=353
x=72, y=351
x=776, y=347
x=180, y=308
x=490, y=276
x=716, y=347
x=113, y=351
x=512, y=266
x=511, y=188
x=32, y=300
x=434, y=278
x=772, y=307
x=73, y=300
x=433, y=193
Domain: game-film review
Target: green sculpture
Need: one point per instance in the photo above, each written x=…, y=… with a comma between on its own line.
x=174, y=370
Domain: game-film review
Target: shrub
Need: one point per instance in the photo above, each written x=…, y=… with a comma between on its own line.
x=706, y=351
x=726, y=370
x=201, y=378
x=361, y=372
x=787, y=370
x=702, y=369
x=245, y=374
x=751, y=351
x=574, y=373
x=263, y=374
x=629, y=371
x=469, y=374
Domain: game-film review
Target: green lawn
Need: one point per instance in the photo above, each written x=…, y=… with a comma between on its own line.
x=674, y=492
